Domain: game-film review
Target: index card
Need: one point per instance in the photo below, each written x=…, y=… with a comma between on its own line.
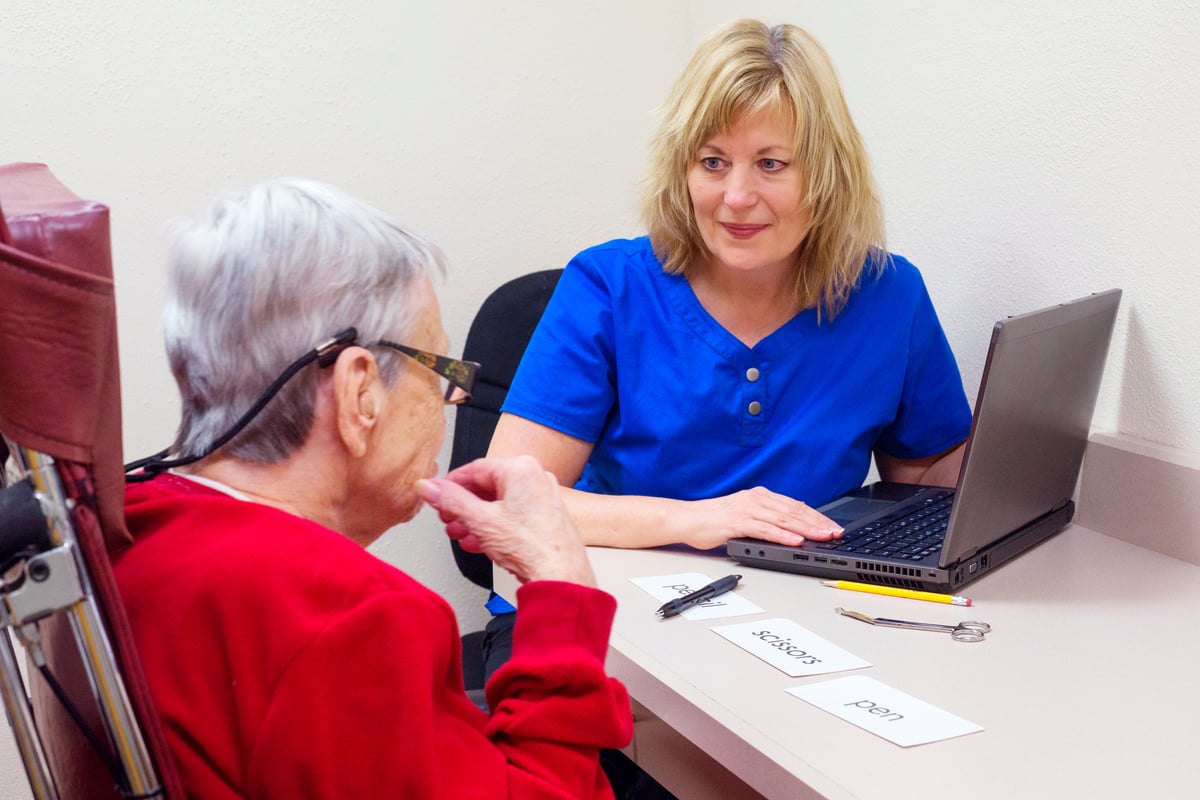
x=670, y=587
x=790, y=647
x=884, y=711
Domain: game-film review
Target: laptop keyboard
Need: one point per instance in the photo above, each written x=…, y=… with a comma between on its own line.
x=911, y=534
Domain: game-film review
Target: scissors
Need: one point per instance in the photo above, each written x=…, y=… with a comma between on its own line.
x=967, y=631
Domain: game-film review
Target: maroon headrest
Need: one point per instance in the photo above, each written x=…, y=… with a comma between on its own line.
x=59, y=374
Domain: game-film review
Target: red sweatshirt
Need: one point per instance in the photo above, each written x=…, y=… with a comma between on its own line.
x=288, y=662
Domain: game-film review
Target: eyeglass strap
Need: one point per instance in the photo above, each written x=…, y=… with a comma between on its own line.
x=325, y=354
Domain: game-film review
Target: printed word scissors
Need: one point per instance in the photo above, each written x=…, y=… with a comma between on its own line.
x=968, y=631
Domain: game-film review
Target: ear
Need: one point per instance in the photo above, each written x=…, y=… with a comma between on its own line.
x=356, y=385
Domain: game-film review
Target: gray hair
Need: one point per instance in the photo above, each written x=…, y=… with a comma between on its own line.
x=266, y=275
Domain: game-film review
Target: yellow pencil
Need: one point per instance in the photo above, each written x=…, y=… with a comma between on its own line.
x=894, y=591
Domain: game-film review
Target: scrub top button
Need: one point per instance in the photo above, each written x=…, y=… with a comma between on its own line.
x=752, y=374
x=755, y=408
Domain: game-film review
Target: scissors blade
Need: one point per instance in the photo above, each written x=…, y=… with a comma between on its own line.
x=856, y=615
x=893, y=623
x=915, y=626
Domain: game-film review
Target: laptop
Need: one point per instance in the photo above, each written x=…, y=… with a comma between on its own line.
x=1032, y=417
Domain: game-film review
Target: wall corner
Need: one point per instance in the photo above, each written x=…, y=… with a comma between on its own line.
x=1142, y=493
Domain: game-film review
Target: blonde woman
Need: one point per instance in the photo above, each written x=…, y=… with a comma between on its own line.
x=742, y=363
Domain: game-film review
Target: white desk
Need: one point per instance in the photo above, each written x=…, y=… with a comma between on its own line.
x=1088, y=686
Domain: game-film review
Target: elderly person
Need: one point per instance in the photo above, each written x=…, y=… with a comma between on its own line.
x=743, y=362
x=284, y=659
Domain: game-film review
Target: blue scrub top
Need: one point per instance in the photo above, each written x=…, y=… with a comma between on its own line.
x=625, y=357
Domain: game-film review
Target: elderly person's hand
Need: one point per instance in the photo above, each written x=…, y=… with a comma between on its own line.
x=510, y=509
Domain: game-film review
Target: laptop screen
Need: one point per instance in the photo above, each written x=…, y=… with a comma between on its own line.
x=1032, y=419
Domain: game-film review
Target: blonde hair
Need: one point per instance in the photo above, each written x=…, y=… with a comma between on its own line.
x=744, y=68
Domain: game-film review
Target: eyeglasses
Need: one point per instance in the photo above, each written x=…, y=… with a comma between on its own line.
x=459, y=374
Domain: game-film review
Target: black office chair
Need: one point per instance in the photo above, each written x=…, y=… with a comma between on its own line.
x=497, y=340
x=87, y=727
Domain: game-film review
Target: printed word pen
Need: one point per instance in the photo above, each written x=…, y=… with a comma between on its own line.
x=893, y=591
x=681, y=604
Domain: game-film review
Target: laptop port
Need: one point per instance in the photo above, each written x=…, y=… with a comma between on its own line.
x=840, y=562
x=799, y=557
x=820, y=559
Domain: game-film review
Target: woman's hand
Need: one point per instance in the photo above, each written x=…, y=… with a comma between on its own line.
x=640, y=521
x=510, y=509
x=758, y=513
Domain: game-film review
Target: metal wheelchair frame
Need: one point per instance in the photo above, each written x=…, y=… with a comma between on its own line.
x=52, y=578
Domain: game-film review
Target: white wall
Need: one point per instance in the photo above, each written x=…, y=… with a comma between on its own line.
x=511, y=135
x=1032, y=152
x=1028, y=153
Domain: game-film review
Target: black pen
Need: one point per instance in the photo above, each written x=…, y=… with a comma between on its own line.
x=681, y=604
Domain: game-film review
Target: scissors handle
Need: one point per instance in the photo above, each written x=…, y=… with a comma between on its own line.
x=966, y=635
x=970, y=631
